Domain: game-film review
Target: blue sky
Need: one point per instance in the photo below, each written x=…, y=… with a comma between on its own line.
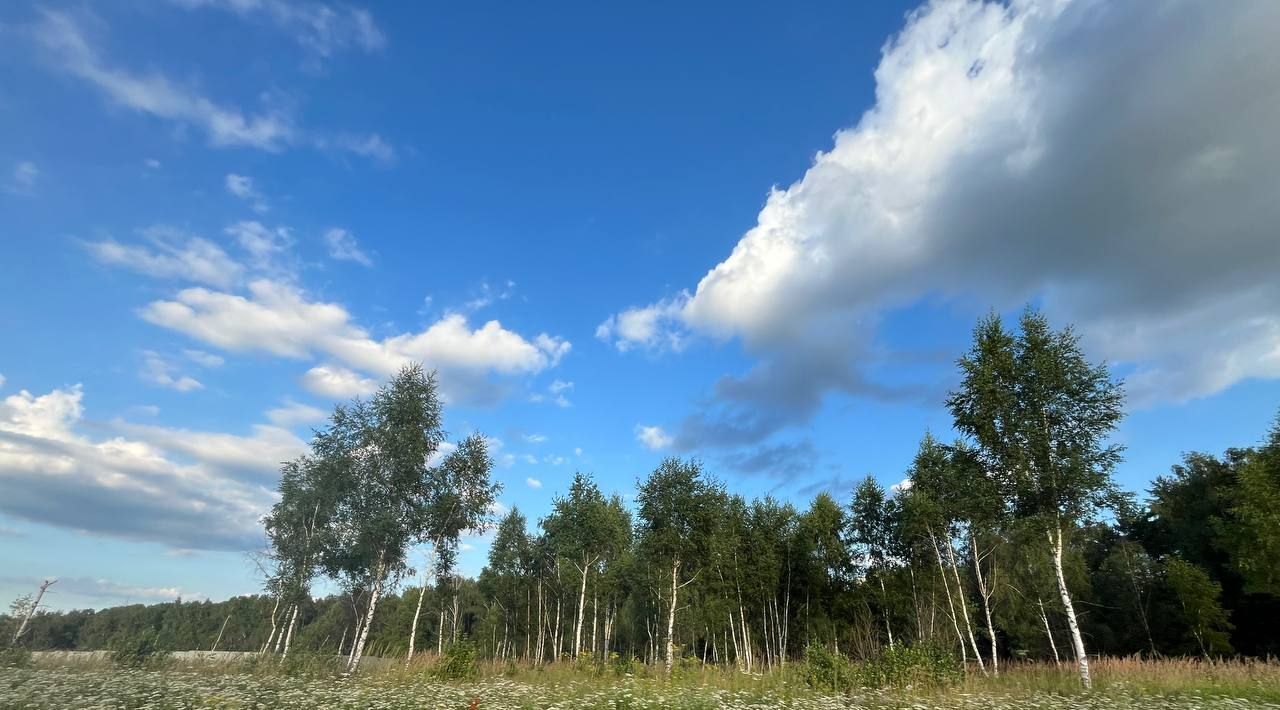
x=754, y=234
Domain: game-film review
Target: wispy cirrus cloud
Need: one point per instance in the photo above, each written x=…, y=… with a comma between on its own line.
x=242, y=186
x=344, y=247
x=68, y=48
x=318, y=27
x=171, y=254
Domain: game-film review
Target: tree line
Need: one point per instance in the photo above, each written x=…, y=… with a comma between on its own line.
x=1011, y=542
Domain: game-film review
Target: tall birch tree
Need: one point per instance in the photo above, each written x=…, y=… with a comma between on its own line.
x=1041, y=415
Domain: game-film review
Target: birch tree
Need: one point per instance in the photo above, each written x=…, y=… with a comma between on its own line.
x=678, y=506
x=871, y=523
x=1040, y=414
x=583, y=529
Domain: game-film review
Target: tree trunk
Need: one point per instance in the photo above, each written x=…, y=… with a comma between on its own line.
x=582, y=609
x=22, y=628
x=1048, y=631
x=884, y=599
x=374, y=595
x=272, y=636
x=986, y=601
x=453, y=619
x=1077, y=641
x=219, y=639
x=737, y=652
x=671, y=616
x=964, y=607
x=955, y=622
x=595, y=617
x=280, y=636
x=440, y=632
x=413, y=629
x=288, y=637
x=542, y=627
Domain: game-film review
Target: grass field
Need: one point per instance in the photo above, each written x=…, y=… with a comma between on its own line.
x=1120, y=683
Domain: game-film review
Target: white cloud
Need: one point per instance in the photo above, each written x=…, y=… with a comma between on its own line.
x=203, y=358
x=901, y=486
x=318, y=27
x=152, y=163
x=578, y=452
x=1009, y=157
x=64, y=40
x=159, y=371
x=278, y=319
x=242, y=187
x=294, y=413
x=337, y=382
x=532, y=482
x=556, y=390
x=535, y=438
x=2, y=380
x=653, y=437
x=182, y=488
x=172, y=255
x=529, y=459
x=488, y=295
x=155, y=95
x=654, y=326
x=23, y=179
x=370, y=146
x=343, y=247
x=265, y=246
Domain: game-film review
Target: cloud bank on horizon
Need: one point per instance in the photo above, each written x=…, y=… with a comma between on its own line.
x=1110, y=162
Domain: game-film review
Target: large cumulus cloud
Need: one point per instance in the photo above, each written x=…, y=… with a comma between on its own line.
x=1115, y=162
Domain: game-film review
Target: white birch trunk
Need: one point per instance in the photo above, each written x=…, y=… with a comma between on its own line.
x=884, y=598
x=440, y=631
x=1077, y=641
x=671, y=616
x=219, y=639
x=1048, y=631
x=280, y=637
x=413, y=629
x=595, y=618
x=964, y=608
x=955, y=623
x=986, y=601
x=542, y=627
x=288, y=638
x=272, y=636
x=582, y=609
x=374, y=594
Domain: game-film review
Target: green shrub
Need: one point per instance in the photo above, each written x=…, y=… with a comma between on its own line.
x=457, y=663
x=141, y=651
x=621, y=665
x=826, y=670
x=911, y=667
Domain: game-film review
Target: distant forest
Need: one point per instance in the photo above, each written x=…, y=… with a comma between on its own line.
x=1009, y=543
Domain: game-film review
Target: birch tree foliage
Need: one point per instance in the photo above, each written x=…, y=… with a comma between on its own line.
x=1041, y=415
